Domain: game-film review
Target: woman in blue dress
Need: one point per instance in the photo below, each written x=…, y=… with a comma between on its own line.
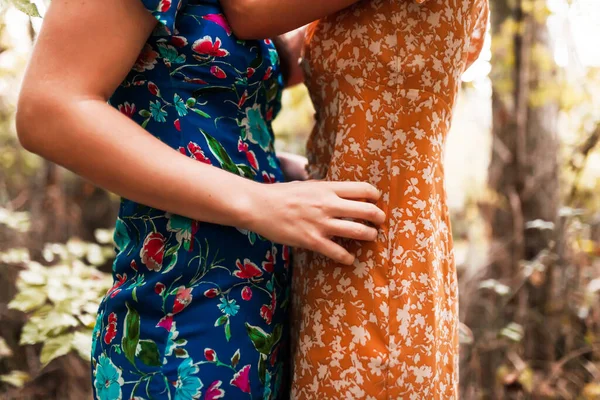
x=199, y=305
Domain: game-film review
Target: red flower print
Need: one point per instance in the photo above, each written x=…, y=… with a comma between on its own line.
x=268, y=265
x=153, y=251
x=153, y=88
x=205, y=46
x=247, y=270
x=210, y=354
x=211, y=293
x=285, y=254
x=269, y=115
x=268, y=41
x=220, y=20
x=133, y=265
x=268, y=73
x=197, y=81
x=121, y=279
x=252, y=159
x=214, y=391
x=246, y=293
x=250, y=72
x=273, y=358
x=179, y=41
x=146, y=60
x=177, y=125
x=164, y=5
x=242, y=146
x=111, y=328
x=166, y=322
x=218, y=72
x=242, y=379
x=197, y=153
x=182, y=299
x=182, y=151
x=127, y=109
x=268, y=178
x=159, y=288
x=266, y=313
x=243, y=99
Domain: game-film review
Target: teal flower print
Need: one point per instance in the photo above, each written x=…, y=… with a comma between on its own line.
x=108, y=379
x=229, y=307
x=174, y=344
x=157, y=112
x=188, y=386
x=274, y=56
x=121, y=236
x=170, y=54
x=256, y=127
x=184, y=229
x=180, y=105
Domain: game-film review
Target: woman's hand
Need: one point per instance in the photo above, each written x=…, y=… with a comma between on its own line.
x=309, y=214
x=293, y=166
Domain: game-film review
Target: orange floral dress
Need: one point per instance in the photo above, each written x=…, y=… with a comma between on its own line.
x=384, y=76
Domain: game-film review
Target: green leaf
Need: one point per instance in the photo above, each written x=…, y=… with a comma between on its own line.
x=148, y=353
x=262, y=368
x=227, y=331
x=172, y=262
x=219, y=152
x=145, y=113
x=25, y=6
x=277, y=332
x=246, y=171
x=200, y=113
x=181, y=353
x=131, y=333
x=28, y=300
x=222, y=319
x=16, y=378
x=134, y=294
x=235, y=359
x=56, y=347
x=260, y=339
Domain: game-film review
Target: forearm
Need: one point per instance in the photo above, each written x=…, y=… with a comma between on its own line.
x=97, y=142
x=289, y=46
x=259, y=19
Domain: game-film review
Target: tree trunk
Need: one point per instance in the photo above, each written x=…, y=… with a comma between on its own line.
x=523, y=175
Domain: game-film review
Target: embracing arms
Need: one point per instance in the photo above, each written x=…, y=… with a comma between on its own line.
x=257, y=19
x=84, y=50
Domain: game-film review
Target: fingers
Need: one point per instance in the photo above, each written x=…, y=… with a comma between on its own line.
x=351, y=230
x=359, y=210
x=334, y=251
x=356, y=190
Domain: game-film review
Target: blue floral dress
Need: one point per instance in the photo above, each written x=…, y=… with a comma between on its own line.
x=197, y=311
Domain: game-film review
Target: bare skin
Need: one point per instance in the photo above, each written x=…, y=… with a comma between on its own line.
x=257, y=19
x=84, y=50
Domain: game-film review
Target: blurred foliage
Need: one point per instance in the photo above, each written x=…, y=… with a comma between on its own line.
x=60, y=298
x=25, y=6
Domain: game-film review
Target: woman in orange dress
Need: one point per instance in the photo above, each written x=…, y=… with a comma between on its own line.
x=384, y=76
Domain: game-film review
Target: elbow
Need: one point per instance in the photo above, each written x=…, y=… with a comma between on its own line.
x=30, y=119
x=241, y=16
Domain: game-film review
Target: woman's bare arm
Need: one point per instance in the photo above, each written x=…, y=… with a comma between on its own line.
x=289, y=46
x=259, y=19
x=84, y=50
